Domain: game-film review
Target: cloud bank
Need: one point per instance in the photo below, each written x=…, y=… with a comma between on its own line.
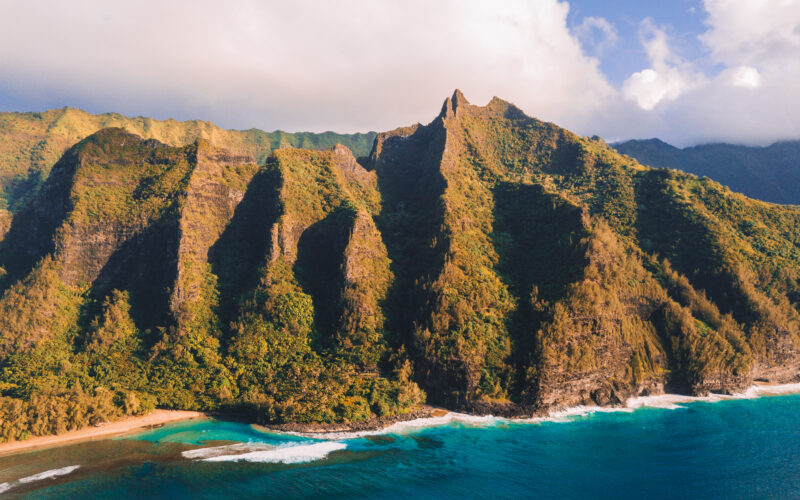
x=356, y=65
x=753, y=99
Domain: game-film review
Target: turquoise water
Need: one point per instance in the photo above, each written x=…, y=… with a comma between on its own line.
x=730, y=449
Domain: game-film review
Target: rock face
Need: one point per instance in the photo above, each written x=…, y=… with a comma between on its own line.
x=216, y=186
x=486, y=261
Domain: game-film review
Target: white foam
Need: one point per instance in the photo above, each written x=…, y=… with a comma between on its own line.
x=662, y=401
x=674, y=401
x=569, y=414
x=666, y=401
x=771, y=390
x=228, y=449
x=409, y=426
x=49, y=474
x=292, y=454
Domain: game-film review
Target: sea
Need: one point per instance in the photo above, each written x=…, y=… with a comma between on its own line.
x=658, y=447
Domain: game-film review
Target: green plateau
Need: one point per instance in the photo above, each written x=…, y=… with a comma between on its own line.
x=486, y=262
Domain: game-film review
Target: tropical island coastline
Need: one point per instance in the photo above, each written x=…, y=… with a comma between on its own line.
x=422, y=416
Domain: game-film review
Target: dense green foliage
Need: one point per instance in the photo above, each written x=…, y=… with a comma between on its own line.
x=33, y=142
x=769, y=173
x=547, y=269
x=484, y=261
x=145, y=295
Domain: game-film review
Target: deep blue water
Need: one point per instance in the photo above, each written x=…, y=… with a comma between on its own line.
x=731, y=449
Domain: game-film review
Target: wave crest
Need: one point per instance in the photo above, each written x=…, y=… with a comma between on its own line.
x=292, y=454
x=48, y=474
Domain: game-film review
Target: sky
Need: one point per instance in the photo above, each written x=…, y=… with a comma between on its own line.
x=686, y=71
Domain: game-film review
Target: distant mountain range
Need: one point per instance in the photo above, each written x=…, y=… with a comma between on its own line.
x=486, y=261
x=769, y=173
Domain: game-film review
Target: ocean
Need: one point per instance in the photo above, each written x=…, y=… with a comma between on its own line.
x=683, y=448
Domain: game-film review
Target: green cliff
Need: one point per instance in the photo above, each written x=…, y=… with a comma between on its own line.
x=486, y=261
x=32, y=143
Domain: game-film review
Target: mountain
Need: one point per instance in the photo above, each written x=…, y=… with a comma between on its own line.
x=769, y=173
x=487, y=262
x=32, y=142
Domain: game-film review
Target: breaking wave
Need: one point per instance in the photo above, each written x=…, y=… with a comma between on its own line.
x=48, y=474
x=249, y=452
x=662, y=401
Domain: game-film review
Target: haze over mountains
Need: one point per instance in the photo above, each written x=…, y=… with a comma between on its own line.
x=487, y=261
x=769, y=173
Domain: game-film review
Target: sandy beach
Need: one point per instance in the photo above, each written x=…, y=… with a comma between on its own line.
x=111, y=429
x=422, y=416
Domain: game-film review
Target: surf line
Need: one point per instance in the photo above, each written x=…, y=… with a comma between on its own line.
x=48, y=474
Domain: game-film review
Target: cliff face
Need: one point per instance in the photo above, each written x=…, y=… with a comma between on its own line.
x=215, y=188
x=486, y=261
x=558, y=272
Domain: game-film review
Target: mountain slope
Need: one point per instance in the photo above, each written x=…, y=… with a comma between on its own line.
x=770, y=173
x=32, y=143
x=486, y=261
x=136, y=287
x=494, y=323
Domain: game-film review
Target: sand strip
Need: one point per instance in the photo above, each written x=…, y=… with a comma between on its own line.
x=111, y=429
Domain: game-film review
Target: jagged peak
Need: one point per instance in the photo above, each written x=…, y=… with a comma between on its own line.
x=459, y=99
x=453, y=103
x=654, y=141
x=347, y=162
x=340, y=149
x=505, y=108
x=496, y=107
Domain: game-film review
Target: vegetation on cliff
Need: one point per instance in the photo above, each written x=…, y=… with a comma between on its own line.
x=485, y=261
x=33, y=142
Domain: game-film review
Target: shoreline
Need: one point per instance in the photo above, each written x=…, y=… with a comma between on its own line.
x=369, y=425
x=440, y=416
x=116, y=428
x=423, y=416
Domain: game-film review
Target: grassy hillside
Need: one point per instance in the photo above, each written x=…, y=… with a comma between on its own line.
x=31, y=143
x=486, y=261
x=188, y=277
x=770, y=173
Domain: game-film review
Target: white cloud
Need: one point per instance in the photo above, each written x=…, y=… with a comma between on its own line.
x=754, y=98
x=753, y=32
x=354, y=65
x=744, y=76
x=345, y=65
x=596, y=34
x=668, y=77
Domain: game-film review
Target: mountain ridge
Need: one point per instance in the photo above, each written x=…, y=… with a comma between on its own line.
x=33, y=141
x=486, y=261
x=770, y=173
